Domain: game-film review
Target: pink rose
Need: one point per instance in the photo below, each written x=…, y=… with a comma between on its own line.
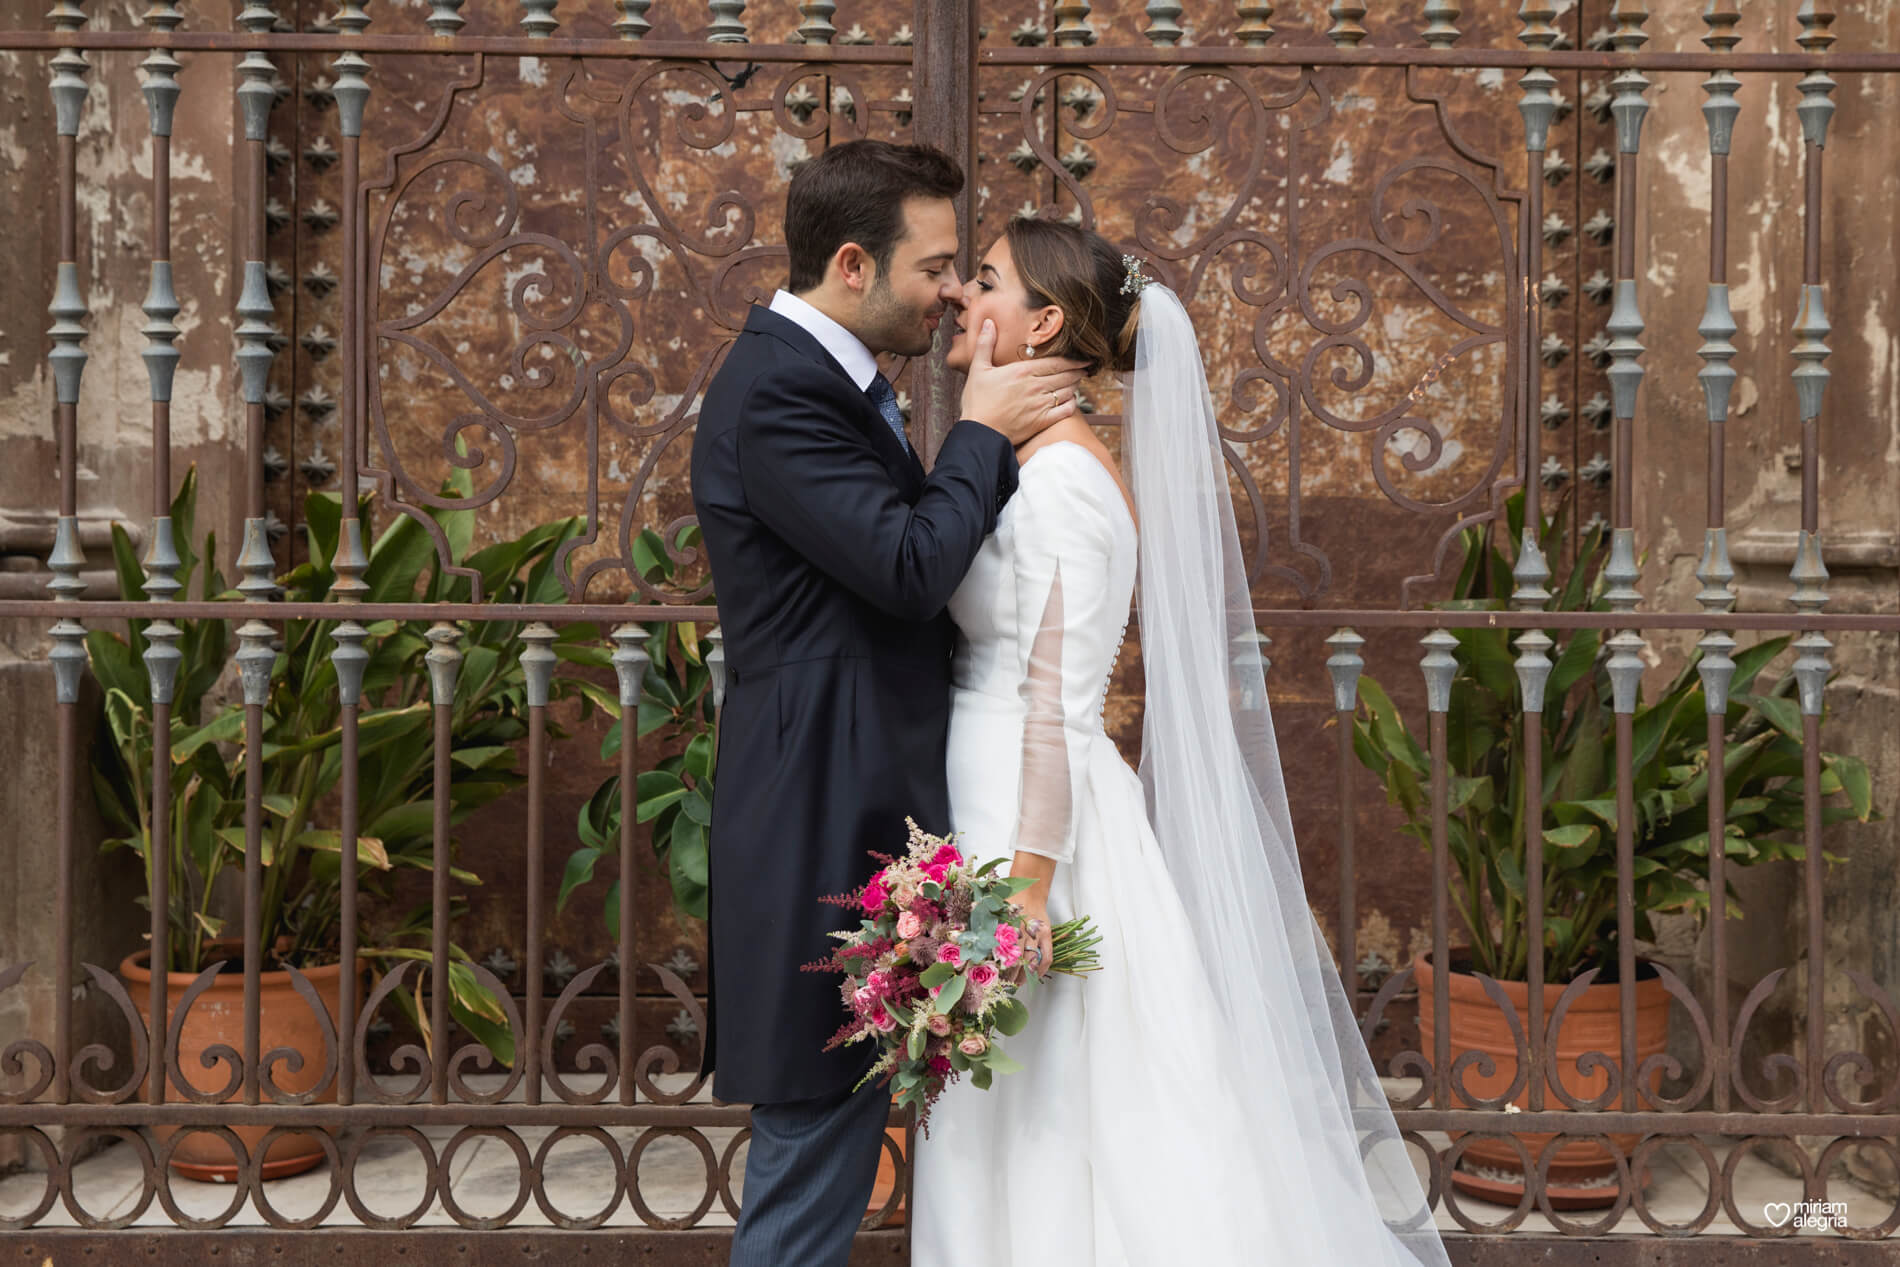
x=878, y=983
x=884, y=1021
x=950, y=953
x=983, y=974
x=874, y=897
x=939, y=1024
x=863, y=997
x=974, y=1045
x=947, y=854
x=908, y=925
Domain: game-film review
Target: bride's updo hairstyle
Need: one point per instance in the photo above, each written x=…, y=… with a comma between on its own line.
x=1080, y=272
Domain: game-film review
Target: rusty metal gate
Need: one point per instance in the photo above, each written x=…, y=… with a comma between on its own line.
x=550, y=217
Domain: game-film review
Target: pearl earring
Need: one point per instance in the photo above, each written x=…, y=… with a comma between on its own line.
x=1029, y=351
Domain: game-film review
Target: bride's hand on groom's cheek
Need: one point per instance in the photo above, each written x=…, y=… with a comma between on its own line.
x=1021, y=399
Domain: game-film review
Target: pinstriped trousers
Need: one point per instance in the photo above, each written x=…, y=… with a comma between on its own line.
x=808, y=1177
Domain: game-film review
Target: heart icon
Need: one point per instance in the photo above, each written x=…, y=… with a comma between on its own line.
x=1778, y=1212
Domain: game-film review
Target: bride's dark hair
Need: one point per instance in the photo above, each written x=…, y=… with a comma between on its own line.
x=1080, y=272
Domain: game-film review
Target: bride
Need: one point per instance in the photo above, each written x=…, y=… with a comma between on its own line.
x=1205, y=1098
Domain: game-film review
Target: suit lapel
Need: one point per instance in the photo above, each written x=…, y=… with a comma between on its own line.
x=900, y=460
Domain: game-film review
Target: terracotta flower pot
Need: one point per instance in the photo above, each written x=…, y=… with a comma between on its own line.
x=1578, y=1170
x=217, y=1016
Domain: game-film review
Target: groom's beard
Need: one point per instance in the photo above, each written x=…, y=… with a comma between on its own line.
x=887, y=324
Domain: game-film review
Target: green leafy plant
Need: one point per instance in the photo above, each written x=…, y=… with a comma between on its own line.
x=676, y=703
x=302, y=755
x=1486, y=800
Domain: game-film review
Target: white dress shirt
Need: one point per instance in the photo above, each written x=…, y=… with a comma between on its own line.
x=845, y=347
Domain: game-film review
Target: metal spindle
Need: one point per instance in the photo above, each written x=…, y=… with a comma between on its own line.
x=445, y=18
x=817, y=27
x=352, y=96
x=1441, y=23
x=1716, y=666
x=161, y=562
x=1440, y=666
x=68, y=655
x=1348, y=29
x=1164, y=23
x=1345, y=665
x=1256, y=27
x=350, y=658
x=1531, y=571
x=1073, y=29
x=537, y=665
x=632, y=23
x=538, y=19
x=444, y=658
x=727, y=26
x=255, y=656
x=1809, y=574
x=630, y=662
x=1625, y=664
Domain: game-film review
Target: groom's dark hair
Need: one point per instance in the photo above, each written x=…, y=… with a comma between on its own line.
x=855, y=192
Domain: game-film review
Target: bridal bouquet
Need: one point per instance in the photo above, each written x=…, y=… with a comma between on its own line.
x=932, y=972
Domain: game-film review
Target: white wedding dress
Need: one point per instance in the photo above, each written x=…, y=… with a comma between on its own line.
x=1128, y=1139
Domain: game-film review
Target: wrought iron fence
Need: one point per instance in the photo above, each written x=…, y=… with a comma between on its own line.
x=949, y=80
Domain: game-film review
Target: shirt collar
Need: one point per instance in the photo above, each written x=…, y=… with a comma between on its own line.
x=845, y=347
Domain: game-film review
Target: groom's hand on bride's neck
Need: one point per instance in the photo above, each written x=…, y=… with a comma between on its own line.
x=1020, y=399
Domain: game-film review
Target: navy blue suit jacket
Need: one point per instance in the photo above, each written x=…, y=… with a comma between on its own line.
x=833, y=556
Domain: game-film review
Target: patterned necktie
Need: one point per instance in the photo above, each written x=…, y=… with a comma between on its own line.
x=885, y=399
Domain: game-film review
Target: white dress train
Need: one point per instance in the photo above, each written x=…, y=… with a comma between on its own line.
x=1119, y=1144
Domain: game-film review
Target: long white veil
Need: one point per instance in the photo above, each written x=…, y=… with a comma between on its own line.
x=1217, y=801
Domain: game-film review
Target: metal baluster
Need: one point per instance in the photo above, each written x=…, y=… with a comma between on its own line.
x=1809, y=574
x=632, y=23
x=817, y=26
x=1072, y=24
x=1164, y=23
x=1621, y=573
x=445, y=662
x=445, y=17
x=1347, y=30
x=162, y=656
x=1440, y=666
x=1531, y=572
x=255, y=656
x=1716, y=667
x=727, y=26
x=1441, y=17
x=537, y=665
x=350, y=658
x=630, y=662
x=538, y=18
x=68, y=655
x=352, y=96
x=1345, y=665
x=1255, y=28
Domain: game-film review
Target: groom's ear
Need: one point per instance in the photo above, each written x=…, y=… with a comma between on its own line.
x=856, y=267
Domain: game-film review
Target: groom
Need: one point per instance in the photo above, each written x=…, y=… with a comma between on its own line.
x=833, y=555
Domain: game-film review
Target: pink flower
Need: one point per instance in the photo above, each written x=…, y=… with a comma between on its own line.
x=950, y=953
x=974, y=1045
x=982, y=974
x=936, y=871
x=908, y=925
x=939, y=1024
x=1008, y=949
x=940, y=1064
x=947, y=854
x=864, y=997
x=884, y=1021
x=878, y=983
x=874, y=896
